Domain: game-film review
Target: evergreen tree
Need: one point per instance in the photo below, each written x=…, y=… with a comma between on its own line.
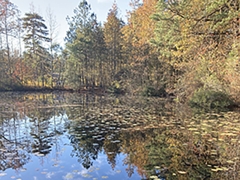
x=82, y=45
x=36, y=55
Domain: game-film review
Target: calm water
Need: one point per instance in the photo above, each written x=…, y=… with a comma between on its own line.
x=83, y=136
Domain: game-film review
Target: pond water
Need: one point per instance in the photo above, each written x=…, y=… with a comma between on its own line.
x=85, y=136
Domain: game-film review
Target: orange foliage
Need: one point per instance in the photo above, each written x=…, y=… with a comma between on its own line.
x=140, y=30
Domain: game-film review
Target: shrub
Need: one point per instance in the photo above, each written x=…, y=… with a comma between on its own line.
x=210, y=100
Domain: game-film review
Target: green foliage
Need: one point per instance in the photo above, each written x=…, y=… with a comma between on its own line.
x=36, y=55
x=208, y=99
x=85, y=47
x=165, y=47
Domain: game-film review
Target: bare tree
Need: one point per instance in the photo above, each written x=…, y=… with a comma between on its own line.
x=9, y=19
x=53, y=33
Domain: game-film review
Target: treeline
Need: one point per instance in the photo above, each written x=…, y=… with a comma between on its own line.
x=182, y=47
x=29, y=55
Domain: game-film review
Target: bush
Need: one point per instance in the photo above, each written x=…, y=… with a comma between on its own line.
x=210, y=100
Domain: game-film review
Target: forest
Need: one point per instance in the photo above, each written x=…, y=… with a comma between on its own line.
x=188, y=49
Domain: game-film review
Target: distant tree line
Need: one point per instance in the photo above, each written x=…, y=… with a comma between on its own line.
x=165, y=47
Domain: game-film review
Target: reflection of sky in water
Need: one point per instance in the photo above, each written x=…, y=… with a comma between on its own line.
x=58, y=142
x=59, y=164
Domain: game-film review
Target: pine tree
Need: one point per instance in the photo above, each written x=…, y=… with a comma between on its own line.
x=80, y=47
x=36, y=55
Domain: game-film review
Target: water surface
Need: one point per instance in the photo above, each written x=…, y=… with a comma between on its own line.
x=85, y=136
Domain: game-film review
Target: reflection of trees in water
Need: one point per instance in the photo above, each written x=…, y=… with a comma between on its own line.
x=162, y=152
x=85, y=149
x=154, y=141
x=21, y=135
x=89, y=141
x=27, y=126
x=97, y=125
x=93, y=129
x=45, y=129
x=86, y=142
x=174, y=152
x=12, y=154
x=41, y=137
x=112, y=146
x=13, y=145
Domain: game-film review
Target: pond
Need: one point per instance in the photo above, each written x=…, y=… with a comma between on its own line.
x=86, y=136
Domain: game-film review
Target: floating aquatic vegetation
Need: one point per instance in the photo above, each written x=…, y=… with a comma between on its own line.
x=149, y=136
x=154, y=177
x=182, y=172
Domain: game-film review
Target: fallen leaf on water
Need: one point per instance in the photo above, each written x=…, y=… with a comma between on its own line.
x=153, y=177
x=182, y=172
x=214, y=170
x=230, y=162
x=192, y=129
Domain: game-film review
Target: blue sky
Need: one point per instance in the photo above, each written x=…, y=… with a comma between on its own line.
x=63, y=8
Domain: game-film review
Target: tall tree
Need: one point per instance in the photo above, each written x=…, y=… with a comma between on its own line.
x=80, y=45
x=146, y=70
x=9, y=21
x=113, y=40
x=54, y=45
x=36, y=54
x=99, y=56
x=198, y=40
